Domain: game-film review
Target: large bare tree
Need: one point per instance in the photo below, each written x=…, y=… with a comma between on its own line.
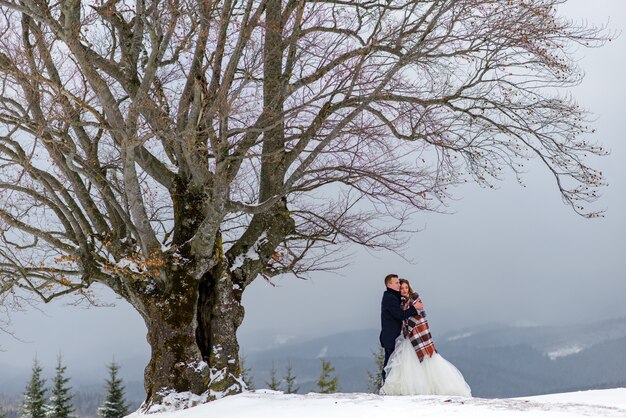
x=174, y=151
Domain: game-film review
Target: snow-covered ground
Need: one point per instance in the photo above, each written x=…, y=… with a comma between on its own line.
x=565, y=351
x=270, y=404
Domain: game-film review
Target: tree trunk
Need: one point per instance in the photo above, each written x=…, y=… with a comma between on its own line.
x=192, y=331
x=176, y=363
x=220, y=314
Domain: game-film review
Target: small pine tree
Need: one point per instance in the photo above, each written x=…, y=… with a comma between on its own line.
x=274, y=383
x=376, y=379
x=246, y=373
x=114, y=405
x=34, y=404
x=324, y=383
x=290, y=380
x=60, y=405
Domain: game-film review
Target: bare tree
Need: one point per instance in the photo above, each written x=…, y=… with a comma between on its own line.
x=175, y=151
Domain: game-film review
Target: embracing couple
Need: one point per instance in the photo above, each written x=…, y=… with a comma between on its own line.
x=412, y=365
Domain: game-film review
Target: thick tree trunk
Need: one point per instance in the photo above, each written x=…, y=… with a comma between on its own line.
x=176, y=363
x=192, y=331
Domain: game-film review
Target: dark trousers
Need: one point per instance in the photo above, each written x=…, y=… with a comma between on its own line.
x=388, y=351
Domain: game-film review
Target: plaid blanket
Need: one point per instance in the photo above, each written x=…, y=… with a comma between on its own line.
x=416, y=329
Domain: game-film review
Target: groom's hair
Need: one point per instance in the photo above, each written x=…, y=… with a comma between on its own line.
x=389, y=277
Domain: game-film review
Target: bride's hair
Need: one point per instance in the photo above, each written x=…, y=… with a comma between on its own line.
x=411, y=291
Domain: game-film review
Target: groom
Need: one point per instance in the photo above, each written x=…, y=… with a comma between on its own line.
x=392, y=315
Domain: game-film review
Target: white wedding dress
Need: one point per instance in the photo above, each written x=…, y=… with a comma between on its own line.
x=406, y=375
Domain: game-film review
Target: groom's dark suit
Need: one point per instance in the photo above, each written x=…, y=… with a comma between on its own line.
x=391, y=317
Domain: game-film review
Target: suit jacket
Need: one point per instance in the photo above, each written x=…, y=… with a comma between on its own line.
x=391, y=317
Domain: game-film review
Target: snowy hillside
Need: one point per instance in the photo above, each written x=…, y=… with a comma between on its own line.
x=500, y=361
x=270, y=404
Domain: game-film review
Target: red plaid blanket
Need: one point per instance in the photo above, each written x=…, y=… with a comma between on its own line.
x=416, y=329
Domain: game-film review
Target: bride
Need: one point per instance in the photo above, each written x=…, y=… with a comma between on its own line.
x=415, y=367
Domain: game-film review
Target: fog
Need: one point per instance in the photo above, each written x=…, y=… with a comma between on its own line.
x=514, y=255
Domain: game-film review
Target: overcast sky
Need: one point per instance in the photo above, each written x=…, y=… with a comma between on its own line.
x=513, y=255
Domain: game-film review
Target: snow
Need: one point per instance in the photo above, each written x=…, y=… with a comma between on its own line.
x=272, y=404
x=323, y=352
x=251, y=254
x=522, y=323
x=565, y=351
x=608, y=397
x=174, y=401
x=459, y=336
x=198, y=366
x=125, y=263
x=237, y=263
x=284, y=339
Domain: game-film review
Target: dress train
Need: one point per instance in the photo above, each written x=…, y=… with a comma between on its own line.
x=406, y=375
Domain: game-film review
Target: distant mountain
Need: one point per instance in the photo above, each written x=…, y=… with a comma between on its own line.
x=351, y=353
x=546, y=339
x=10, y=375
x=496, y=360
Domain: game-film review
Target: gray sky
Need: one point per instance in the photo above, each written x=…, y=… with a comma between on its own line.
x=512, y=255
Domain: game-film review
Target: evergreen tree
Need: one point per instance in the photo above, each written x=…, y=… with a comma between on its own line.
x=290, y=380
x=60, y=405
x=376, y=379
x=34, y=405
x=246, y=373
x=324, y=383
x=114, y=405
x=274, y=383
